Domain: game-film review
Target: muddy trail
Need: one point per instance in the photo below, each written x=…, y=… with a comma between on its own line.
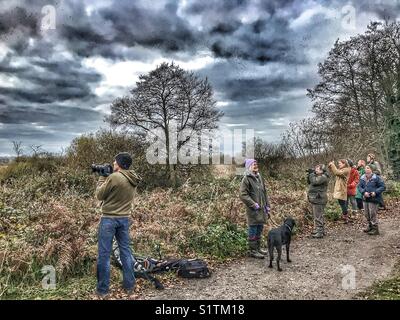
x=316, y=270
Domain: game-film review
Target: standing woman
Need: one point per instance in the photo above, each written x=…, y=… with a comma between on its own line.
x=340, y=191
x=317, y=195
x=354, y=178
x=371, y=187
x=254, y=196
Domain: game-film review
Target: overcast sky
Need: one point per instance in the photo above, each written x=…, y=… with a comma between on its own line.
x=259, y=55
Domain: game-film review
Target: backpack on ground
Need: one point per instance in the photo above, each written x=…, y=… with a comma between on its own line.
x=193, y=268
x=143, y=266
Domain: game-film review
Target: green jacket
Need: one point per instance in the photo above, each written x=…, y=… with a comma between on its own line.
x=116, y=193
x=317, y=191
x=361, y=171
x=252, y=191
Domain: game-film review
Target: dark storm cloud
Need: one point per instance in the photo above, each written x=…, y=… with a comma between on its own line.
x=45, y=114
x=50, y=97
x=222, y=6
x=232, y=81
x=49, y=81
x=124, y=24
x=156, y=28
x=225, y=28
x=258, y=88
x=261, y=41
x=129, y=24
x=19, y=17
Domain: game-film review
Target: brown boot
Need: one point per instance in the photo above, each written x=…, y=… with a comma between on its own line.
x=345, y=218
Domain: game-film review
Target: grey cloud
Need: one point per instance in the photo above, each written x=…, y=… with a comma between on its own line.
x=19, y=17
x=46, y=114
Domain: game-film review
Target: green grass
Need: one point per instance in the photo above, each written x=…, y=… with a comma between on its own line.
x=384, y=290
x=74, y=288
x=388, y=289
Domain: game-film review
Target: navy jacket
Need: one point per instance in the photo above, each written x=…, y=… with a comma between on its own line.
x=375, y=184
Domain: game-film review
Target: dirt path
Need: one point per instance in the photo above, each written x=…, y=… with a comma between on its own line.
x=315, y=272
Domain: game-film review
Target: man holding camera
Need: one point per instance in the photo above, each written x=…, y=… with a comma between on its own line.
x=318, y=180
x=115, y=190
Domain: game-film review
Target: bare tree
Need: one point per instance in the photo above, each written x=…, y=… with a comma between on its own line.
x=36, y=150
x=165, y=95
x=18, y=150
x=358, y=80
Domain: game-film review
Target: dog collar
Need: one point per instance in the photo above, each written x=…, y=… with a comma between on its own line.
x=290, y=229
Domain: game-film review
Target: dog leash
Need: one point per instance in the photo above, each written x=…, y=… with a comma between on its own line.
x=273, y=222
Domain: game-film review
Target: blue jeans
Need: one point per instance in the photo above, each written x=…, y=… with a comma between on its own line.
x=110, y=227
x=255, y=231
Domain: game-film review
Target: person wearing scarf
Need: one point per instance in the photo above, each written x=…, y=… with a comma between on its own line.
x=253, y=194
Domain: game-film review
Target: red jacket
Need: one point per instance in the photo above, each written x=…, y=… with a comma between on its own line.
x=352, y=183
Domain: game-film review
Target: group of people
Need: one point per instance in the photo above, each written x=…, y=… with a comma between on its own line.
x=361, y=186
x=357, y=187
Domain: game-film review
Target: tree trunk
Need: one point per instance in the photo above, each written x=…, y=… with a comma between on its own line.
x=170, y=167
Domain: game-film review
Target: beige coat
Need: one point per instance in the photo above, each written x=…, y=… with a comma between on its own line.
x=342, y=176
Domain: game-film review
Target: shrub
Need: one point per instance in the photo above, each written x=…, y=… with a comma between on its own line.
x=393, y=189
x=332, y=212
x=28, y=167
x=220, y=240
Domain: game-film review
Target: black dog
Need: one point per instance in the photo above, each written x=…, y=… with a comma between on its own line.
x=278, y=237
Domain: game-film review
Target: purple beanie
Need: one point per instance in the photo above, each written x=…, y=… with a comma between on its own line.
x=248, y=163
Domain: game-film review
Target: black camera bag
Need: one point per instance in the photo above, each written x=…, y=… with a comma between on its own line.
x=193, y=268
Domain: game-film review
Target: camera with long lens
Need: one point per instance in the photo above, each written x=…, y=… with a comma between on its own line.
x=102, y=169
x=309, y=171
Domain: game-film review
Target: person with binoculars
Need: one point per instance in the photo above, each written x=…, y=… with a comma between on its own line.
x=318, y=180
x=342, y=174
